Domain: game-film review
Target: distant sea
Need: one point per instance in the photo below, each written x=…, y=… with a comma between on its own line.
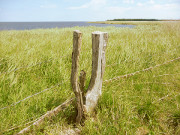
x=47, y=25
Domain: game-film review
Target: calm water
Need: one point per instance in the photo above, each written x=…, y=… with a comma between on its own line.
x=45, y=25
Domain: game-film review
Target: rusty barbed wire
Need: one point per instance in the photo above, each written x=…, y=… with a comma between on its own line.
x=166, y=75
x=138, y=72
x=109, y=80
x=13, y=104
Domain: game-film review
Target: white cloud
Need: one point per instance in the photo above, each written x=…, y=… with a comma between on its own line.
x=80, y=7
x=151, y=2
x=157, y=11
x=93, y=3
x=146, y=9
x=128, y=1
x=118, y=10
x=48, y=6
x=166, y=6
x=140, y=4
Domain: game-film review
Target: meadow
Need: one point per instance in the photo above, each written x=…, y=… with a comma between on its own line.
x=32, y=61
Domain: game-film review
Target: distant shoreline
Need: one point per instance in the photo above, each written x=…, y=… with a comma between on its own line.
x=137, y=22
x=143, y=20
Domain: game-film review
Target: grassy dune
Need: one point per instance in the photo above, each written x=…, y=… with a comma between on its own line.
x=34, y=60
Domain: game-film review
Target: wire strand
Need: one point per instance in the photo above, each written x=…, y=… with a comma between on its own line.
x=13, y=104
x=138, y=72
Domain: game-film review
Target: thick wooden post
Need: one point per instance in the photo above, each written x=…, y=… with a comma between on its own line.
x=86, y=102
x=99, y=42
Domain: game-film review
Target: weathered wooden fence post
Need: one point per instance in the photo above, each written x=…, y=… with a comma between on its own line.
x=77, y=41
x=86, y=102
x=99, y=42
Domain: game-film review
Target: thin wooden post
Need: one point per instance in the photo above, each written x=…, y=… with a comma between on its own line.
x=77, y=41
x=86, y=102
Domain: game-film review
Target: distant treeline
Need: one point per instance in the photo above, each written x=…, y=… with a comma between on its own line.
x=134, y=20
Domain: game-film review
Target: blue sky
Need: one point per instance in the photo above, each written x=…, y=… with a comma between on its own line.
x=87, y=10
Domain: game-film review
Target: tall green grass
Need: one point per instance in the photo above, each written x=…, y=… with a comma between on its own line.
x=144, y=103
